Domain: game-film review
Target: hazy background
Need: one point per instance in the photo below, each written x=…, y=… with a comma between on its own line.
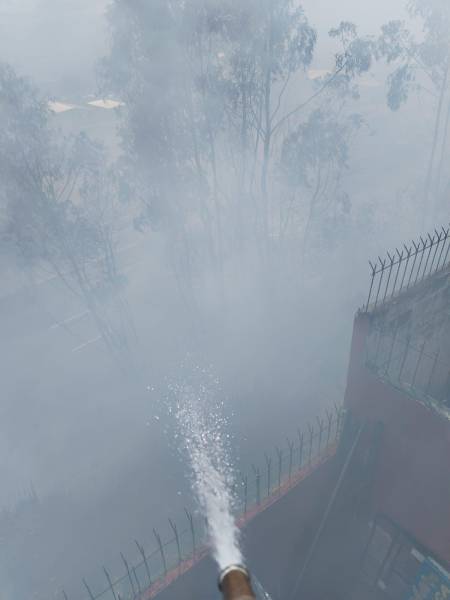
x=89, y=433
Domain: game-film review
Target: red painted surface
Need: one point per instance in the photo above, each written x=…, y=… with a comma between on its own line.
x=413, y=476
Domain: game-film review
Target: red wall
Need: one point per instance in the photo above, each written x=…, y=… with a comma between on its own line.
x=413, y=476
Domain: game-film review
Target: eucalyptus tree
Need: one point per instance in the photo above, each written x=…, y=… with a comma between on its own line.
x=421, y=64
x=57, y=202
x=251, y=51
x=314, y=158
x=212, y=88
x=271, y=92
x=159, y=64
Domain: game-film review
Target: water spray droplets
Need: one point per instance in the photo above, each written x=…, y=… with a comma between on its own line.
x=204, y=438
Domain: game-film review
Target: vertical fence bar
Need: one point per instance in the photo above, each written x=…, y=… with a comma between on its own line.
x=381, y=272
x=89, y=591
x=190, y=519
x=144, y=558
x=373, y=274
x=416, y=252
x=446, y=254
x=161, y=550
x=177, y=540
x=438, y=243
x=338, y=412
x=245, y=493
x=124, y=560
x=311, y=442
x=320, y=424
x=431, y=240
x=408, y=256
x=329, y=425
x=268, y=471
x=280, y=464
x=441, y=246
x=422, y=254
x=399, y=262
x=445, y=233
x=137, y=580
x=258, y=484
x=390, y=266
x=300, y=449
x=111, y=587
x=291, y=457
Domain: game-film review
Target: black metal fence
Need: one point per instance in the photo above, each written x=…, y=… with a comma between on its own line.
x=416, y=367
x=406, y=267
x=253, y=491
x=392, y=560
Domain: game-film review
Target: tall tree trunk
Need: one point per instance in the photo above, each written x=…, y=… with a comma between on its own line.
x=442, y=157
x=427, y=218
x=204, y=55
x=267, y=133
x=242, y=178
x=312, y=206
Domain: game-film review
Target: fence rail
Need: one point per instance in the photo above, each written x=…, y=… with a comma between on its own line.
x=406, y=267
x=414, y=366
x=254, y=491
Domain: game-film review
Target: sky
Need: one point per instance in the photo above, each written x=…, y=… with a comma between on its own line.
x=57, y=43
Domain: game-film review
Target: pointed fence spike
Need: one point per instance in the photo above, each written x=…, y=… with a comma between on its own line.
x=280, y=464
x=125, y=562
x=161, y=550
x=111, y=587
x=91, y=595
x=177, y=540
x=190, y=518
x=269, y=472
x=137, y=581
x=291, y=456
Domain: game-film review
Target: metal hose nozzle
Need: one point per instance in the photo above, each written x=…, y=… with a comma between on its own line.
x=234, y=583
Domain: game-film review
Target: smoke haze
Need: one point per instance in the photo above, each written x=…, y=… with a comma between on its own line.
x=169, y=200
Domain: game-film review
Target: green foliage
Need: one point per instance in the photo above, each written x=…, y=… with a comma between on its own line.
x=357, y=53
x=393, y=40
x=400, y=83
x=209, y=104
x=417, y=60
x=46, y=185
x=321, y=143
